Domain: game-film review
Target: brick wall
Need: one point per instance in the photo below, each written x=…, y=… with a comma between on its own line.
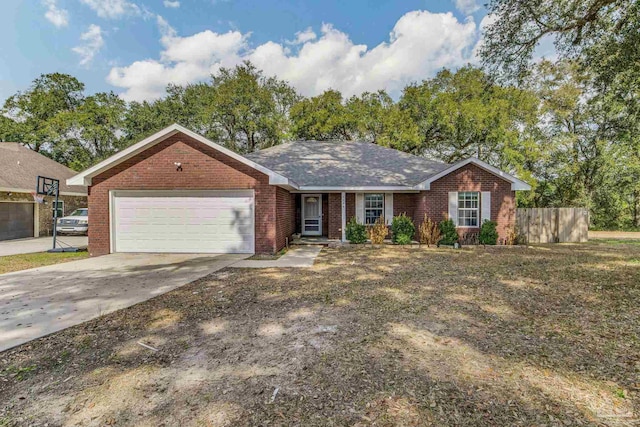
x=435, y=202
x=204, y=168
x=285, y=216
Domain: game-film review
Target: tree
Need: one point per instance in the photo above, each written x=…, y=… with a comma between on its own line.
x=380, y=120
x=32, y=111
x=580, y=29
x=92, y=132
x=465, y=114
x=323, y=118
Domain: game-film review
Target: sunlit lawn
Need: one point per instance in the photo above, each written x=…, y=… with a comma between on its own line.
x=39, y=259
x=394, y=336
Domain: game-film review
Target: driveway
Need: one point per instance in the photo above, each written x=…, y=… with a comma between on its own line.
x=37, y=302
x=40, y=244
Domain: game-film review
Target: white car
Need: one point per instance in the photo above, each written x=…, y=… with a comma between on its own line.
x=76, y=223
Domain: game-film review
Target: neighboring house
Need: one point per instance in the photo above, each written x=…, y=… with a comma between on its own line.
x=176, y=191
x=20, y=216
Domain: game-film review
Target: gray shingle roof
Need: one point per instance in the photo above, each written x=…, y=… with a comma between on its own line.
x=20, y=167
x=346, y=164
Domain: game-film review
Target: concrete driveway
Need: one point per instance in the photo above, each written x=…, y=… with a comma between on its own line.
x=40, y=244
x=37, y=302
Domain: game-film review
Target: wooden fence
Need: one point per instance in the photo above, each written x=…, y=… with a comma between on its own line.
x=552, y=225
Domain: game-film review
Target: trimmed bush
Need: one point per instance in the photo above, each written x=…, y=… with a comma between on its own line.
x=378, y=231
x=403, y=239
x=448, y=232
x=355, y=232
x=488, y=233
x=429, y=232
x=402, y=229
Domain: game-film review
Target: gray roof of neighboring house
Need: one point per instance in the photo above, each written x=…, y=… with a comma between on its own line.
x=339, y=164
x=20, y=167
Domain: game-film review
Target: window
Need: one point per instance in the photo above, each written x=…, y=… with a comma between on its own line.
x=468, y=208
x=59, y=207
x=373, y=207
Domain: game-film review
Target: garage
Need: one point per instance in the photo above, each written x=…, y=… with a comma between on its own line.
x=220, y=221
x=16, y=220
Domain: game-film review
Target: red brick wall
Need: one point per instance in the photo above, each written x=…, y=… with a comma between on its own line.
x=285, y=216
x=404, y=203
x=335, y=213
x=203, y=168
x=435, y=202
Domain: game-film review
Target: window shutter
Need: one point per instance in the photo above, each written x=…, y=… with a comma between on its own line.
x=453, y=206
x=485, y=205
x=360, y=207
x=388, y=208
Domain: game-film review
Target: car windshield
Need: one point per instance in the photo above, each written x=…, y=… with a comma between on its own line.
x=79, y=212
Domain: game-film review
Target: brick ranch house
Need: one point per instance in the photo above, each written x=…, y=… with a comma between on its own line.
x=20, y=216
x=176, y=191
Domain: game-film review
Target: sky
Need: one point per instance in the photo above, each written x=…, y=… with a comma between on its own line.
x=136, y=47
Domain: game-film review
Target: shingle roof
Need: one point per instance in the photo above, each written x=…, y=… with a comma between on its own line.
x=20, y=166
x=346, y=164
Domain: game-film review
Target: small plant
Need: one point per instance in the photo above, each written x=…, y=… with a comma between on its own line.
x=378, y=231
x=488, y=233
x=448, y=232
x=429, y=232
x=512, y=237
x=356, y=233
x=402, y=229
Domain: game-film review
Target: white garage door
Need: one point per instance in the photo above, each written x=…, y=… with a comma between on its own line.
x=183, y=221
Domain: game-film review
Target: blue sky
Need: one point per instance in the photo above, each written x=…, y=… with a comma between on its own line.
x=136, y=47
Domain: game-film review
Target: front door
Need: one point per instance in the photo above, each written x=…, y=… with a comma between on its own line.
x=312, y=214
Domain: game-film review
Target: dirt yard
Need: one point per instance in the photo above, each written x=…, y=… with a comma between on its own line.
x=396, y=336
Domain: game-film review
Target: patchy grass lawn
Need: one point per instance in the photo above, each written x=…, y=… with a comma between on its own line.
x=391, y=336
x=39, y=259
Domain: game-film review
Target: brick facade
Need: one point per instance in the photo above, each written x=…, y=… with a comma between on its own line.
x=204, y=168
x=435, y=202
x=276, y=210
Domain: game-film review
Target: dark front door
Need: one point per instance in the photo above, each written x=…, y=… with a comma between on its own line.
x=16, y=220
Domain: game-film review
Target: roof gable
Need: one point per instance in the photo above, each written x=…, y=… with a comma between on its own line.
x=84, y=178
x=20, y=166
x=516, y=184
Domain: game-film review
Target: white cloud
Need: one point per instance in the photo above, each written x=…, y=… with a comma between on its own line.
x=92, y=42
x=420, y=44
x=304, y=36
x=112, y=8
x=58, y=17
x=466, y=6
x=171, y=4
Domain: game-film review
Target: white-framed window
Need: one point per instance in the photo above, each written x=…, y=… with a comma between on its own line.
x=468, y=208
x=59, y=207
x=373, y=207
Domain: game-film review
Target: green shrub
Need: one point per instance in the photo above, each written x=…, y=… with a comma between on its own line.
x=488, y=233
x=448, y=232
x=356, y=232
x=402, y=229
x=403, y=239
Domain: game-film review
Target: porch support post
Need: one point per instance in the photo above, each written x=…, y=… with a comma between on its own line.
x=343, y=204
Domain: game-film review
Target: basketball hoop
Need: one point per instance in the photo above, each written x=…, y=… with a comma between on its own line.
x=38, y=198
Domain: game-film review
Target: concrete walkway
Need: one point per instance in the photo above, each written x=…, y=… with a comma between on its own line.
x=40, y=244
x=300, y=256
x=37, y=302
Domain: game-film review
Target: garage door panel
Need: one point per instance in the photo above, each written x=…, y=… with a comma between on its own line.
x=16, y=220
x=211, y=223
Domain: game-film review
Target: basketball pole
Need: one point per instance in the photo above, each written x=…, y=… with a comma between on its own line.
x=55, y=216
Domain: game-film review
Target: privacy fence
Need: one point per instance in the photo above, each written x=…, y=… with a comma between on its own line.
x=552, y=225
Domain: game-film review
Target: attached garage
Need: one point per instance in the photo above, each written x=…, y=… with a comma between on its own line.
x=186, y=221
x=16, y=220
